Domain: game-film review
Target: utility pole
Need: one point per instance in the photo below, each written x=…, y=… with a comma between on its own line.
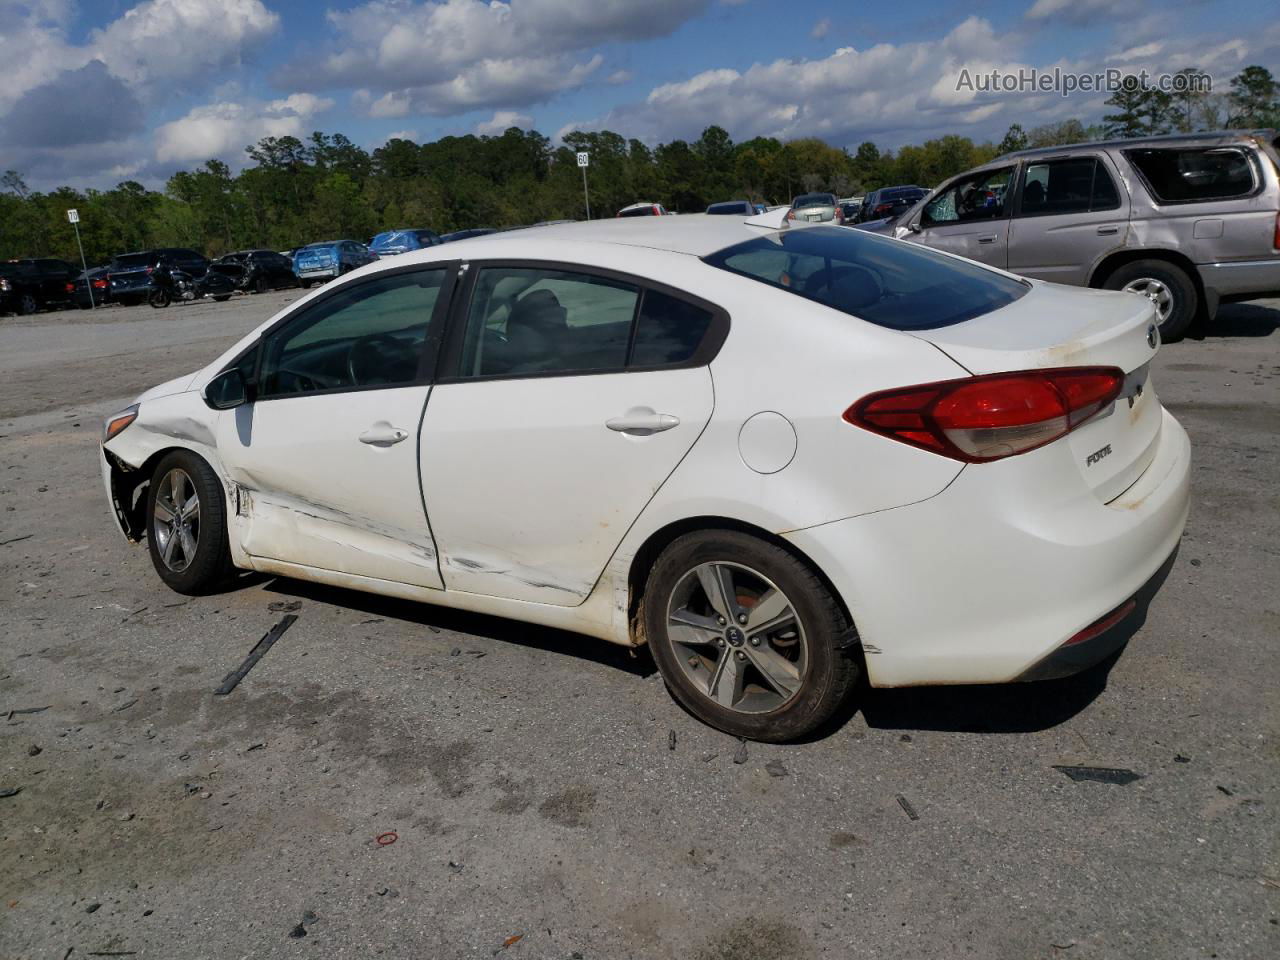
x=584, y=161
x=73, y=217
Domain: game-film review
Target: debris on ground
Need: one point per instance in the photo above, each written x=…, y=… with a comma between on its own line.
x=455, y=651
x=910, y=811
x=386, y=839
x=671, y=739
x=9, y=792
x=905, y=738
x=1179, y=758
x=298, y=932
x=455, y=867
x=24, y=711
x=741, y=755
x=775, y=768
x=5, y=543
x=708, y=757
x=92, y=908
x=1116, y=775
x=257, y=653
x=510, y=942
x=1225, y=792
x=285, y=606
x=34, y=750
x=124, y=706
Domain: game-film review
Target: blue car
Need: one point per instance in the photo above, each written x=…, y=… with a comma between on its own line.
x=333, y=258
x=390, y=242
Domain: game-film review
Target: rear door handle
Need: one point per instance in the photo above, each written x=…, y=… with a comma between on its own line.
x=1107, y=231
x=989, y=238
x=383, y=434
x=641, y=422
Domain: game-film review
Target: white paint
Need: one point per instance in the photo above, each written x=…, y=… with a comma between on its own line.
x=767, y=442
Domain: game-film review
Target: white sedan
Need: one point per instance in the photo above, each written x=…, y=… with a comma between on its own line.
x=775, y=455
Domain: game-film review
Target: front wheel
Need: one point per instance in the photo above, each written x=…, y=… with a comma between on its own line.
x=159, y=299
x=187, y=524
x=222, y=298
x=305, y=284
x=1167, y=287
x=27, y=305
x=746, y=636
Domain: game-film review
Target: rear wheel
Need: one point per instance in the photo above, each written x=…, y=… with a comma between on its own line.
x=222, y=298
x=27, y=305
x=159, y=299
x=187, y=524
x=745, y=636
x=1167, y=286
x=260, y=285
x=305, y=284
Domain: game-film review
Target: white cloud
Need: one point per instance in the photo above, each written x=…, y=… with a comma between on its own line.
x=225, y=129
x=1082, y=12
x=820, y=29
x=619, y=77
x=501, y=121
x=439, y=57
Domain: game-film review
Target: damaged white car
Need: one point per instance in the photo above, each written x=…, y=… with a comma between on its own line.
x=773, y=455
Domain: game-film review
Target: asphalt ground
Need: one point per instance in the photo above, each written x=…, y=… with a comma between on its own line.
x=529, y=776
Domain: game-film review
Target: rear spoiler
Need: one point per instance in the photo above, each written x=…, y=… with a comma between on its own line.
x=770, y=219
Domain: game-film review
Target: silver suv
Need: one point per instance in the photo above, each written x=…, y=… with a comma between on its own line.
x=1188, y=221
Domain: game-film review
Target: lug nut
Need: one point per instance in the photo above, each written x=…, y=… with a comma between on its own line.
x=740, y=655
x=720, y=620
x=720, y=642
x=755, y=641
x=742, y=618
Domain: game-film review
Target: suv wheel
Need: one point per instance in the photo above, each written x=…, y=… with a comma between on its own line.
x=27, y=305
x=1166, y=286
x=745, y=636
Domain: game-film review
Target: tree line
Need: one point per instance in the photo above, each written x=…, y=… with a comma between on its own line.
x=297, y=191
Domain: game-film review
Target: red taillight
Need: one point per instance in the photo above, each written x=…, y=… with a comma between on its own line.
x=99, y=284
x=980, y=419
x=1099, y=627
x=1277, y=236
x=71, y=288
x=882, y=210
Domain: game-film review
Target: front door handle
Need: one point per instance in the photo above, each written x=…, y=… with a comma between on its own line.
x=383, y=434
x=642, y=421
x=1108, y=231
x=989, y=238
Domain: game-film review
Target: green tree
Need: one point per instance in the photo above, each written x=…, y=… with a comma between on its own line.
x=1254, y=98
x=1015, y=139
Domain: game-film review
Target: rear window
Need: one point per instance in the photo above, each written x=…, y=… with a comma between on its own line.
x=645, y=211
x=890, y=283
x=131, y=261
x=1193, y=174
x=815, y=200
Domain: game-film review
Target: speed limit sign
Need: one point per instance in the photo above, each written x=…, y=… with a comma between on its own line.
x=584, y=159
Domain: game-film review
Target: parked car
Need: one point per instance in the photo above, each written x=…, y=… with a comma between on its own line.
x=170, y=284
x=889, y=203
x=734, y=208
x=91, y=288
x=257, y=271
x=333, y=258
x=467, y=234
x=31, y=284
x=850, y=207
x=584, y=422
x=391, y=242
x=643, y=209
x=130, y=273
x=1187, y=221
x=815, y=208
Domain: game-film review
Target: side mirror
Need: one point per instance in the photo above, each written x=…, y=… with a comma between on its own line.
x=228, y=390
x=914, y=226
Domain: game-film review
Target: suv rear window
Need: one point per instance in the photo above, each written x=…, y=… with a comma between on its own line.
x=886, y=282
x=131, y=261
x=1193, y=174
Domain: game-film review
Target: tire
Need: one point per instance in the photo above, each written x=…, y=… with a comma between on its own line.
x=159, y=299
x=260, y=285
x=209, y=564
x=305, y=284
x=817, y=676
x=1165, y=283
x=222, y=298
x=27, y=305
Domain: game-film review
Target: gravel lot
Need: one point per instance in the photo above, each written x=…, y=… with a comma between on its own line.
x=528, y=774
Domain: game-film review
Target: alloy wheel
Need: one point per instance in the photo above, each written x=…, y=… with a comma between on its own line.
x=1156, y=291
x=737, y=637
x=175, y=522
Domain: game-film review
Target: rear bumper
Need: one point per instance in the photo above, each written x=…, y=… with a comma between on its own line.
x=987, y=580
x=316, y=273
x=1242, y=278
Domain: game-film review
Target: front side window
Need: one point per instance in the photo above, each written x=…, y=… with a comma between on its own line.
x=902, y=286
x=527, y=320
x=1194, y=174
x=1074, y=185
x=979, y=197
x=368, y=335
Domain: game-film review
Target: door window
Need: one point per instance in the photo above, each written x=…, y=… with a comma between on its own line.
x=526, y=321
x=372, y=334
x=980, y=197
x=668, y=330
x=1075, y=185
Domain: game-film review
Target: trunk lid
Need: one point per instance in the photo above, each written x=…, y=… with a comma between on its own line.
x=1057, y=326
x=313, y=258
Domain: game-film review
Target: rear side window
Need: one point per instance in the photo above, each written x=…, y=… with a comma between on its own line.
x=668, y=330
x=892, y=284
x=1194, y=174
x=1074, y=185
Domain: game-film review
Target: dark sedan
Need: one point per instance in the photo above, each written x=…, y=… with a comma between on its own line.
x=131, y=272
x=257, y=270
x=90, y=289
x=889, y=202
x=31, y=284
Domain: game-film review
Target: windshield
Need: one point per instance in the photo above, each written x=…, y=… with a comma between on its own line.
x=886, y=282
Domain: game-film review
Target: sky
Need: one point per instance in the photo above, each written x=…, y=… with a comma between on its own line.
x=97, y=91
